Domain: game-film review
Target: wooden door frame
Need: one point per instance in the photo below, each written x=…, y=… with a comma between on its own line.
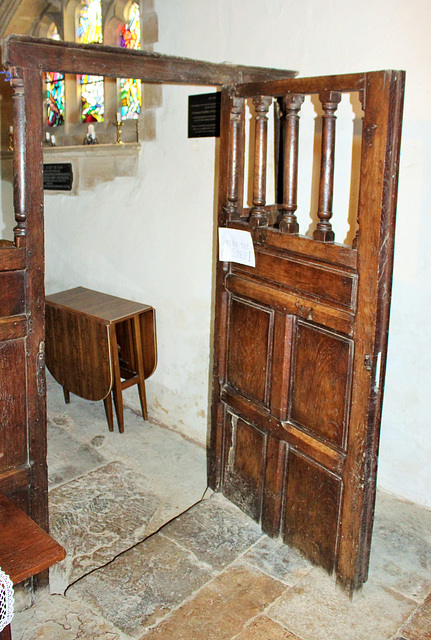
x=27, y=58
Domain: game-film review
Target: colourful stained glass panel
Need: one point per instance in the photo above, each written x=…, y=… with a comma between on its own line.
x=90, y=22
x=92, y=98
x=54, y=86
x=55, y=102
x=131, y=32
x=92, y=87
x=130, y=90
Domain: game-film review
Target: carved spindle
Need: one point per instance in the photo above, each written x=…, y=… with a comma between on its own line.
x=323, y=230
x=235, y=150
x=292, y=104
x=258, y=217
x=18, y=159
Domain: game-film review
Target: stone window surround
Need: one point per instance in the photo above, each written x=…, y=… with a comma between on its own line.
x=73, y=132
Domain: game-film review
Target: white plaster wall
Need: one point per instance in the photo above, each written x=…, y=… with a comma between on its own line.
x=151, y=238
x=7, y=218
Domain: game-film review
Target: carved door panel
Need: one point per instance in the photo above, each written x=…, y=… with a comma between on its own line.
x=23, y=472
x=300, y=339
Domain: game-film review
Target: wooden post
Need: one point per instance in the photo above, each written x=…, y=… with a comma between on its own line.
x=20, y=230
x=30, y=195
x=292, y=103
x=236, y=154
x=323, y=231
x=258, y=217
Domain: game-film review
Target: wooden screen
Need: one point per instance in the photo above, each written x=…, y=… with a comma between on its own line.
x=300, y=339
x=23, y=472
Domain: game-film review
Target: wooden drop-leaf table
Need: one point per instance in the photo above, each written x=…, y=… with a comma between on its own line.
x=97, y=344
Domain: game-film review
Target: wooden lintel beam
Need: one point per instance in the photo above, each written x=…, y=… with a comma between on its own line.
x=278, y=87
x=95, y=59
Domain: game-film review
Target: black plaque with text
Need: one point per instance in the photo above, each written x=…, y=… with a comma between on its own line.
x=204, y=115
x=57, y=176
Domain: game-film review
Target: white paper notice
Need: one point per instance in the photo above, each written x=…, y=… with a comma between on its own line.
x=236, y=246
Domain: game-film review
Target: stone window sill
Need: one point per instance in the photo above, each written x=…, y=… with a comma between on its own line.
x=93, y=164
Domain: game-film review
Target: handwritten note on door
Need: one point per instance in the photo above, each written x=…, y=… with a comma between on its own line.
x=236, y=246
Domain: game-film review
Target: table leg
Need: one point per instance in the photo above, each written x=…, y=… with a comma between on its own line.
x=108, y=410
x=6, y=633
x=116, y=387
x=66, y=394
x=130, y=344
x=140, y=365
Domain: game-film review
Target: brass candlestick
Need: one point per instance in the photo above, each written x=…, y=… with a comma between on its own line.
x=118, y=124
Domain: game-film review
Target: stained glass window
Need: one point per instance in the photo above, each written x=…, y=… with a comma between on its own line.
x=92, y=89
x=54, y=86
x=130, y=90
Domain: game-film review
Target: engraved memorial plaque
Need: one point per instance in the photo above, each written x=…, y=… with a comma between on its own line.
x=57, y=176
x=204, y=115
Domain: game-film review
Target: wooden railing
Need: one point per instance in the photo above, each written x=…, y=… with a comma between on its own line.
x=289, y=97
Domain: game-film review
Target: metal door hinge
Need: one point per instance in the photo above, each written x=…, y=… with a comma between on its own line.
x=40, y=369
x=368, y=362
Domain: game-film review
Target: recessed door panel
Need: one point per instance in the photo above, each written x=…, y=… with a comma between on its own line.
x=320, y=387
x=243, y=474
x=305, y=277
x=13, y=441
x=311, y=509
x=250, y=342
x=12, y=293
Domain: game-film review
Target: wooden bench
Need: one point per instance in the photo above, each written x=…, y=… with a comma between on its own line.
x=25, y=549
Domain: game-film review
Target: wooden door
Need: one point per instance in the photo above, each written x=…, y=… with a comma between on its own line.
x=23, y=473
x=301, y=338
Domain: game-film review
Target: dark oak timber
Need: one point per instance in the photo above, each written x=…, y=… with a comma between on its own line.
x=97, y=344
x=46, y=55
x=258, y=217
x=292, y=104
x=217, y=435
x=301, y=337
x=343, y=83
x=23, y=472
x=19, y=156
x=25, y=548
x=236, y=158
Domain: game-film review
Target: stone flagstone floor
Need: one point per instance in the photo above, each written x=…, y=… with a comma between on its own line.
x=151, y=555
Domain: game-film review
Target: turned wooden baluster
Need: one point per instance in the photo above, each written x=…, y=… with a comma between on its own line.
x=292, y=104
x=235, y=150
x=18, y=159
x=258, y=216
x=323, y=231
